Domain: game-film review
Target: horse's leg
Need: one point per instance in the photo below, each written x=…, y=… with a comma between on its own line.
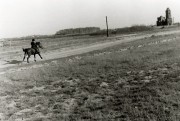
x=28, y=58
x=35, y=57
x=24, y=56
x=40, y=55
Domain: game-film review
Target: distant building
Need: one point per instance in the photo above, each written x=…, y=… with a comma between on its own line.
x=163, y=21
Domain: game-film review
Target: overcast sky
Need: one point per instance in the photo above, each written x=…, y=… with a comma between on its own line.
x=33, y=17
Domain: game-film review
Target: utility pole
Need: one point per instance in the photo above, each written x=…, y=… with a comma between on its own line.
x=107, y=27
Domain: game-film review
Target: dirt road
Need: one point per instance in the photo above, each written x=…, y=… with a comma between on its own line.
x=54, y=55
x=16, y=61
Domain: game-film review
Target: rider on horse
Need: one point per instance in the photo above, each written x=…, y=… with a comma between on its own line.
x=34, y=46
x=33, y=50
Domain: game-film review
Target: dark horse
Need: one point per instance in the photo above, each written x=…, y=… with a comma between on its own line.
x=32, y=51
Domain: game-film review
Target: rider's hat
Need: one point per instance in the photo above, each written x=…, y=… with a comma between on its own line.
x=33, y=39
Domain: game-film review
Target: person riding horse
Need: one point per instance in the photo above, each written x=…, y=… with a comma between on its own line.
x=33, y=50
x=34, y=46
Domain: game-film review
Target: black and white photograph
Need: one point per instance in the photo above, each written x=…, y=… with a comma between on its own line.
x=89, y=60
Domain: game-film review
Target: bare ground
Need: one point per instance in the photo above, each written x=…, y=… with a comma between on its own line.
x=20, y=98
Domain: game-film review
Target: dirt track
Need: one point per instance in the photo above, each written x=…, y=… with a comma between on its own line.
x=101, y=46
x=15, y=61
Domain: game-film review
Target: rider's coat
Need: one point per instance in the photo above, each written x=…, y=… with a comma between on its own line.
x=34, y=46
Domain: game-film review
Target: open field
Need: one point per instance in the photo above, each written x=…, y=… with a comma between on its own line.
x=122, y=78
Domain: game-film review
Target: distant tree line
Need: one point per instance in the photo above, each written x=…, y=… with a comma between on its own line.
x=125, y=30
x=134, y=28
x=73, y=31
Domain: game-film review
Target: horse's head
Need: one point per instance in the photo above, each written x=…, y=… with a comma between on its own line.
x=39, y=45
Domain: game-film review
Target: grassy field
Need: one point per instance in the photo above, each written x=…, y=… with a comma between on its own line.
x=134, y=81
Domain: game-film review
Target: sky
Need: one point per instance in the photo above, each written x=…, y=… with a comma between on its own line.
x=41, y=17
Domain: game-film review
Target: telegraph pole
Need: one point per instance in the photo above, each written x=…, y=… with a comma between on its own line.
x=107, y=27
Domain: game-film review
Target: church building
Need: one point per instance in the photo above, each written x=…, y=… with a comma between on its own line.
x=163, y=21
